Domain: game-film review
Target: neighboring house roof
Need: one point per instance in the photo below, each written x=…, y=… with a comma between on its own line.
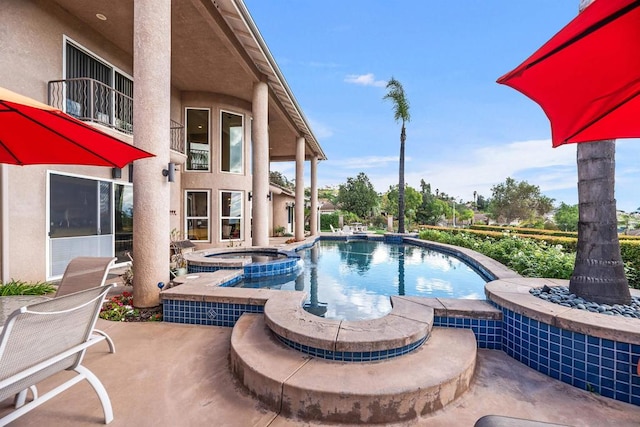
x=326, y=206
x=277, y=189
x=479, y=217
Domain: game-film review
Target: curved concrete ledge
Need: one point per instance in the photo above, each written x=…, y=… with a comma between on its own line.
x=209, y=279
x=514, y=295
x=206, y=257
x=408, y=323
x=389, y=391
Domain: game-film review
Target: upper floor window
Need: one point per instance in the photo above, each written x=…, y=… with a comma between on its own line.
x=96, y=91
x=198, y=147
x=232, y=143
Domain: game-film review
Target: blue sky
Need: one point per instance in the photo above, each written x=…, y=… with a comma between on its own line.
x=467, y=133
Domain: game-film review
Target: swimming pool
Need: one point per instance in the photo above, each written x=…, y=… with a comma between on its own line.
x=352, y=280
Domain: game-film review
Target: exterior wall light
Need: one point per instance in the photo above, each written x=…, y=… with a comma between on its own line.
x=170, y=172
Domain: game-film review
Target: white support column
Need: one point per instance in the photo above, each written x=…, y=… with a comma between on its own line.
x=151, y=115
x=260, y=152
x=313, y=225
x=299, y=209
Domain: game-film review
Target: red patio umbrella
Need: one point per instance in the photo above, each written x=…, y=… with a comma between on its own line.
x=586, y=78
x=35, y=133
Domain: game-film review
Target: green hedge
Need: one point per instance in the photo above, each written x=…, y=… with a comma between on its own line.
x=531, y=255
x=522, y=230
x=568, y=243
x=328, y=220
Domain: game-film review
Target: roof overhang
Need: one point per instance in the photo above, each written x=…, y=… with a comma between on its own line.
x=217, y=49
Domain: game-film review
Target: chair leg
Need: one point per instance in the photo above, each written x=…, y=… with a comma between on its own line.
x=21, y=397
x=100, y=391
x=112, y=346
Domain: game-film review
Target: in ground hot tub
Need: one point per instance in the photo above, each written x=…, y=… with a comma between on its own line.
x=255, y=263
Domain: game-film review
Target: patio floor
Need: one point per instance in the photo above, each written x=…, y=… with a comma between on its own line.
x=178, y=375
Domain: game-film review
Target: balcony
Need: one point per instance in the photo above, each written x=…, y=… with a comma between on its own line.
x=92, y=101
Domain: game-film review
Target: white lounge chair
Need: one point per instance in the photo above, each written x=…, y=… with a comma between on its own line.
x=43, y=339
x=84, y=273
x=334, y=231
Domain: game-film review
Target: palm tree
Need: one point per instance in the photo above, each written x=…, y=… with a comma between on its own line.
x=598, y=274
x=401, y=113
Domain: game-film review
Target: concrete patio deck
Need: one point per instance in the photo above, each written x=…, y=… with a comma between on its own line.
x=178, y=375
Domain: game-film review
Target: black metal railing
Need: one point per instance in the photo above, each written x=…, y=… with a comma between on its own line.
x=177, y=137
x=198, y=160
x=92, y=101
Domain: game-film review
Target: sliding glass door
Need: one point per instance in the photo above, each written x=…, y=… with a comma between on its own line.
x=87, y=217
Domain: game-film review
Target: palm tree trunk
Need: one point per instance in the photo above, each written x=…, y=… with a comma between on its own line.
x=403, y=137
x=598, y=274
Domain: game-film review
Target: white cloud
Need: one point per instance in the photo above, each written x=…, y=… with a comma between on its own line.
x=365, y=80
x=478, y=169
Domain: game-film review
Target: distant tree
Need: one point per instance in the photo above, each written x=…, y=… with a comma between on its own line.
x=482, y=204
x=358, y=196
x=566, y=217
x=400, y=113
x=413, y=200
x=624, y=221
x=329, y=194
x=435, y=211
x=513, y=200
x=278, y=178
x=464, y=214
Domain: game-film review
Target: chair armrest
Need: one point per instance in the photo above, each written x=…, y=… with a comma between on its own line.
x=93, y=339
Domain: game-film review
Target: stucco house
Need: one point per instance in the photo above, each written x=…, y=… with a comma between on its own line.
x=283, y=217
x=191, y=81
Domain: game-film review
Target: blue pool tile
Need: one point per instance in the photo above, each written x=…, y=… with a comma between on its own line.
x=593, y=350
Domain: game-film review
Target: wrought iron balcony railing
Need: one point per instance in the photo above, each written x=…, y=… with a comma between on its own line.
x=92, y=101
x=177, y=137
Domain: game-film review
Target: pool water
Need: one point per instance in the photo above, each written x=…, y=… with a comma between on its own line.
x=353, y=280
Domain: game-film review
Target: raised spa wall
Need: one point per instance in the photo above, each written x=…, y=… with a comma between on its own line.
x=587, y=350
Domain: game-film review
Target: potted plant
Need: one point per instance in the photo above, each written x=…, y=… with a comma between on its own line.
x=178, y=262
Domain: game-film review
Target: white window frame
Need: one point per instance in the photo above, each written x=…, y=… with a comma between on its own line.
x=196, y=218
x=244, y=142
x=240, y=218
x=186, y=142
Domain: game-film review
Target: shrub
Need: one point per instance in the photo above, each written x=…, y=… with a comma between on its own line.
x=379, y=221
x=279, y=231
x=328, y=220
x=19, y=287
x=120, y=309
x=526, y=256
